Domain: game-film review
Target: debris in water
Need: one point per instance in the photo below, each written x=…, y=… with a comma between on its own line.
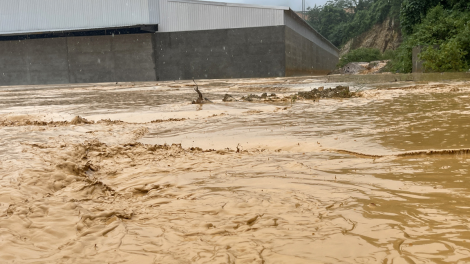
x=338, y=92
x=229, y=98
x=80, y=120
x=200, y=99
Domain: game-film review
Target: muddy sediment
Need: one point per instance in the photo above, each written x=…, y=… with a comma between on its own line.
x=410, y=153
x=317, y=93
x=137, y=174
x=26, y=121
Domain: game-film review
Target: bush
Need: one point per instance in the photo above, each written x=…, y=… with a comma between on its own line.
x=389, y=55
x=403, y=58
x=448, y=57
x=447, y=28
x=360, y=55
x=414, y=11
x=341, y=20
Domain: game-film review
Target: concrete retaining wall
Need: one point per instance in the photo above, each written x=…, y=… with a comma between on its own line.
x=417, y=62
x=274, y=51
x=116, y=58
x=111, y=59
x=239, y=53
x=304, y=57
x=222, y=53
x=33, y=62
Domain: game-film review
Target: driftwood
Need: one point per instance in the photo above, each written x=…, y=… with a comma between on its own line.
x=200, y=99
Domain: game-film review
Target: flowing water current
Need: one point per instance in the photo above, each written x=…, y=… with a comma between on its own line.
x=380, y=178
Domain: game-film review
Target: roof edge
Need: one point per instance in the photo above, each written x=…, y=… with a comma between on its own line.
x=296, y=16
x=230, y=4
x=59, y=31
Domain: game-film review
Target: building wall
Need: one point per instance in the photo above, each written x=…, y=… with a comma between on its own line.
x=293, y=21
x=303, y=57
x=189, y=15
x=77, y=60
x=116, y=58
x=223, y=53
x=37, y=16
x=207, y=54
x=33, y=62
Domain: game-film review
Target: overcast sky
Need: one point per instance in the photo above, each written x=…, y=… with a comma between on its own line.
x=295, y=5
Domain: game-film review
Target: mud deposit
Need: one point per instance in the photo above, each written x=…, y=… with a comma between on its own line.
x=144, y=176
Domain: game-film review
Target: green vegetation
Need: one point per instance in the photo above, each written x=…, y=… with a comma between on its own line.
x=342, y=20
x=414, y=11
x=360, y=55
x=444, y=35
x=449, y=57
x=441, y=27
x=366, y=55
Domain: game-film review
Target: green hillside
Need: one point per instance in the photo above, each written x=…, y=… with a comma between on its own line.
x=440, y=25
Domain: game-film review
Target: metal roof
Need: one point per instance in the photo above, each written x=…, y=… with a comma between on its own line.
x=231, y=4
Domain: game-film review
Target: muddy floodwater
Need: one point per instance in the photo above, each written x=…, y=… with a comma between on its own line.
x=144, y=176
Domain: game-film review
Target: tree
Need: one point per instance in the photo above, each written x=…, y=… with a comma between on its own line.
x=341, y=20
x=414, y=11
x=445, y=32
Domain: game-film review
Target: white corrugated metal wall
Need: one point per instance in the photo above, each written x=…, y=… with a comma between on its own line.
x=187, y=15
x=34, y=16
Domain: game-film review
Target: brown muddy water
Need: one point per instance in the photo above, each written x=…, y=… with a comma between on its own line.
x=383, y=178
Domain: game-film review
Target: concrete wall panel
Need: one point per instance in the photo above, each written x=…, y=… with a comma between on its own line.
x=303, y=57
x=224, y=53
x=89, y=44
x=15, y=78
x=78, y=60
x=33, y=61
x=39, y=77
x=138, y=50
x=91, y=59
x=116, y=58
x=141, y=42
x=91, y=67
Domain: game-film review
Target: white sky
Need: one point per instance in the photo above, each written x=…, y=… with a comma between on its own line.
x=295, y=5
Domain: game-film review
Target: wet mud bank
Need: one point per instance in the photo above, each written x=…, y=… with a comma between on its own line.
x=138, y=174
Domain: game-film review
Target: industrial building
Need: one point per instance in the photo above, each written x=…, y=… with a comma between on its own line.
x=84, y=41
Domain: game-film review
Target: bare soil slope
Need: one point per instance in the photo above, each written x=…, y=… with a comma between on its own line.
x=384, y=36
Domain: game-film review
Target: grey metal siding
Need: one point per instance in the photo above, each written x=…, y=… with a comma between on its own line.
x=186, y=15
x=298, y=25
x=36, y=16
